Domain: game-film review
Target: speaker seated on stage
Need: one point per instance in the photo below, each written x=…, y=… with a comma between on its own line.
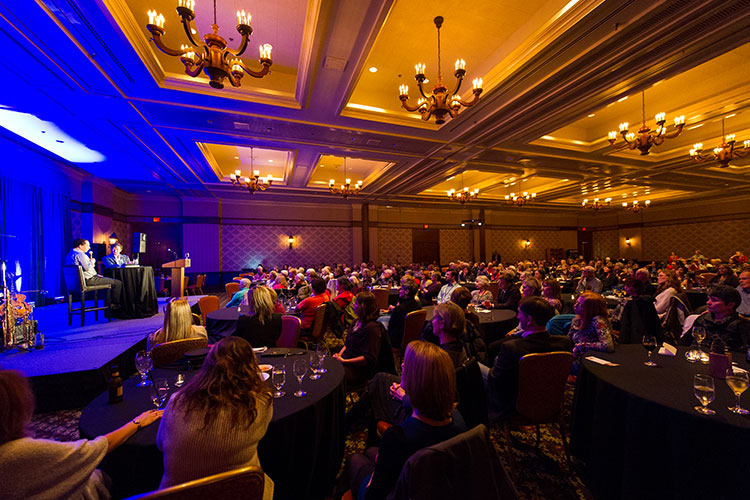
x=116, y=258
x=78, y=257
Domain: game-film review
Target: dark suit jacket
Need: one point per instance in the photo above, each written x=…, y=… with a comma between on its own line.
x=502, y=382
x=508, y=299
x=638, y=317
x=398, y=315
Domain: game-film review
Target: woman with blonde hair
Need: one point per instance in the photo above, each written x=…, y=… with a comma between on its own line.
x=429, y=379
x=215, y=422
x=590, y=329
x=178, y=325
x=668, y=286
x=262, y=326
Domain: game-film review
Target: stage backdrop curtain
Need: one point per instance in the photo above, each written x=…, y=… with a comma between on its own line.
x=34, y=236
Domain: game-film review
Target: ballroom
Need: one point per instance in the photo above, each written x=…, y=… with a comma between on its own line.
x=213, y=141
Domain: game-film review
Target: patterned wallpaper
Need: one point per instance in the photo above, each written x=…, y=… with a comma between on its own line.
x=713, y=239
x=394, y=245
x=508, y=243
x=606, y=243
x=75, y=224
x=122, y=229
x=456, y=244
x=247, y=246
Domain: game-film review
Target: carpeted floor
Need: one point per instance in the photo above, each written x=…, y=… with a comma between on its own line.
x=542, y=473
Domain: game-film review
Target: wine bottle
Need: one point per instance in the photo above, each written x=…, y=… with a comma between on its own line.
x=115, y=386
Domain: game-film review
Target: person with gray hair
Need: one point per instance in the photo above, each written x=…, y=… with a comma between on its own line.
x=482, y=294
x=588, y=281
x=236, y=299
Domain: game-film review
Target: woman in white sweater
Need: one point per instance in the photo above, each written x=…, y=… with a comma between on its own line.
x=668, y=287
x=215, y=422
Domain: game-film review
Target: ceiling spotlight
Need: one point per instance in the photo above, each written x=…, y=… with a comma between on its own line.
x=373, y=69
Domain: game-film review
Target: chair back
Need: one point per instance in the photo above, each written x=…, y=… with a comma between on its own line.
x=200, y=281
x=560, y=324
x=231, y=289
x=246, y=483
x=74, y=281
x=494, y=288
x=541, y=385
x=169, y=352
x=318, y=328
x=472, y=397
x=413, y=325
x=207, y=304
x=290, y=326
x=185, y=283
x=381, y=297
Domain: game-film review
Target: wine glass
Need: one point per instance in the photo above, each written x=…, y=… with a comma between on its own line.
x=160, y=392
x=322, y=352
x=703, y=388
x=300, y=369
x=314, y=365
x=649, y=343
x=699, y=334
x=738, y=381
x=143, y=364
x=278, y=379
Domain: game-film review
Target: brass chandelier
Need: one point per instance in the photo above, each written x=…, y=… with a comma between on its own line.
x=441, y=102
x=645, y=138
x=520, y=199
x=636, y=207
x=724, y=154
x=212, y=55
x=596, y=204
x=346, y=189
x=254, y=183
x=464, y=195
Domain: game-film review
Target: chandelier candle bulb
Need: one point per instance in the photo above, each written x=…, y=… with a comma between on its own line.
x=460, y=64
x=624, y=126
x=477, y=83
x=661, y=118
x=188, y=4
x=730, y=138
x=680, y=120
x=256, y=173
x=403, y=90
x=265, y=51
x=242, y=18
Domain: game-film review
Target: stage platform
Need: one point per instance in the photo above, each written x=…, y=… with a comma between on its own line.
x=74, y=365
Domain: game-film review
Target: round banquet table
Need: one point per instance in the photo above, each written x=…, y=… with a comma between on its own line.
x=223, y=322
x=138, y=298
x=635, y=428
x=301, y=451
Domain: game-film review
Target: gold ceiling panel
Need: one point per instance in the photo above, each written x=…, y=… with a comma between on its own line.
x=357, y=169
x=225, y=159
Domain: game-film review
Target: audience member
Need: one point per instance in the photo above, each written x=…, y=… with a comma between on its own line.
x=725, y=276
x=668, y=287
x=445, y=292
x=407, y=303
x=508, y=295
x=744, y=290
x=482, y=294
x=236, y=299
x=721, y=319
x=588, y=282
x=552, y=293
x=639, y=316
x=307, y=307
x=643, y=275
x=590, y=329
x=262, y=326
x=178, y=324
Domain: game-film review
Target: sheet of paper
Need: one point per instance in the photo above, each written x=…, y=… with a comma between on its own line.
x=601, y=361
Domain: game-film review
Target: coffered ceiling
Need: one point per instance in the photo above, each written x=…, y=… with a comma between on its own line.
x=558, y=76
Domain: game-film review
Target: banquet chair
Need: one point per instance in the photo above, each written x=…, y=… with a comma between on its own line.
x=246, y=483
x=318, y=328
x=167, y=353
x=208, y=304
x=494, y=288
x=75, y=283
x=290, y=326
x=381, y=297
x=704, y=279
x=413, y=324
x=197, y=287
x=231, y=289
x=185, y=284
x=541, y=388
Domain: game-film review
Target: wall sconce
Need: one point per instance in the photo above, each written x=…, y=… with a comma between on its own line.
x=526, y=243
x=113, y=238
x=627, y=241
x=290, y=240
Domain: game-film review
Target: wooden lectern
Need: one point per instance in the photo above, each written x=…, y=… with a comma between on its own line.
x=178, y=276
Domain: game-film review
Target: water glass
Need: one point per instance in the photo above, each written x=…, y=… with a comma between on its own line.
x=300, y=369
x=737, y=380
x=160, y=393
x=179, y=380
x=699, y=334
x=703, y=388
x=322, y=352
x=278, y=379
x=143, y=364
x=314, y=365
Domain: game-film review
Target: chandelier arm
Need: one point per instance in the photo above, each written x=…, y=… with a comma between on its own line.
x=189, y=33
x=258, y=74
x=234, y=78
x=421, y=90
x=156, y=34
x=459, y=80
x=196, y=69
x=675, y=133
x=245, y=31
x=408, y=107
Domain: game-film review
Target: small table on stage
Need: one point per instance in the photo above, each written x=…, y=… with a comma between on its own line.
x=301, y=451
x=138, y=298
x=635, y=428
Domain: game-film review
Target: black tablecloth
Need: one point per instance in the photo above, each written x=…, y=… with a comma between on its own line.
x=301, y=451
x=637, y=431
x=138, y=298
x=223, y=322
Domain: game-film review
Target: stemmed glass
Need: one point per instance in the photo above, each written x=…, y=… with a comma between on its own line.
x=278, y=379
x=699, y=334
x=143, y=364
x=300, y=369
x=649, y=343
x=322, y=352
x=738, y=381
x=314, y=365
x=160, y=392
x=703, y=388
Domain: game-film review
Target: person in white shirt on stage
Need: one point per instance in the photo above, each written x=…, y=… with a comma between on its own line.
x=116, y=258
x=79, y=256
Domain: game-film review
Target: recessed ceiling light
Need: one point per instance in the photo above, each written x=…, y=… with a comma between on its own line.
x=373, y=69
x=622, y=99
x=548, y=138
x=270, y=161
x=592, y=115
x=426, y=80
x=565, y=180
x=729, y=116
x=236, y=157
x=695, y=126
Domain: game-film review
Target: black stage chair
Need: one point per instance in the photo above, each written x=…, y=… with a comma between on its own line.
x=76, y=284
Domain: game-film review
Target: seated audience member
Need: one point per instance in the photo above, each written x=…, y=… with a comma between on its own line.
x=639, y=315
x=508, y=294
x=608, y=278
x=178, y=324
x=236, y=299
x=306, y=308
x=301, y=289
x=471, y=338
x=445, y=292
x=502, y=379
x=43, y=469
x=430, y=288
x=725, y=276
x=643, y=275
x=116, y=258
x=722, y=319
x=738, y=258
x=531, y=287
x=407, y=303
x=344, y=298
x=744, y=290
x=262, y=326
x=552, y=293
x=482, y=294
x=448, y=326
x=429, y=380
x=386, y=278
x=277, y=306
x=78, y=256
x=215, y=422
x=588, y=282
x=590, y=329
x=361, y=351
x=668, y=287
x=280, y=282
